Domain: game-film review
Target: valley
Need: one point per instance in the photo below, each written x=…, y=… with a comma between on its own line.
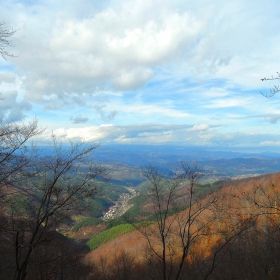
x=127, y=216
x=121, y=205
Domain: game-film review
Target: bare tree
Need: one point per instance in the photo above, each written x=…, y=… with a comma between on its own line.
x=254, y=254
x=175, y=241
x=48, y=191
x=16, y=153
x=275, y=88
x=37, y=192
x=62, y=179
x=124, y=267
x=172, y=236
x=5, y=35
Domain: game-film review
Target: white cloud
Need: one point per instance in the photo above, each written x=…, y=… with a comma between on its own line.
x=142, y=61
x=143, y=133
x=118, y=46
x=200, y=127
x=74, y=47
x=270, y=143
x=216, y=92
x=7, y=78
x=155, y=111
x=133, y=79
x=228, y=102
x=86, y=134
x=162, y=134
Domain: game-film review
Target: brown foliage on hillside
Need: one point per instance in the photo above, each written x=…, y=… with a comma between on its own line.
x=238, y=236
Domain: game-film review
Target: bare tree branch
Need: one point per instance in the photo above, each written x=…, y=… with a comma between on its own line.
x=274, y=89
x=5, y=35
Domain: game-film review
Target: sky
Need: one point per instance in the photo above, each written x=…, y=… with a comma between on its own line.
x=144, y=72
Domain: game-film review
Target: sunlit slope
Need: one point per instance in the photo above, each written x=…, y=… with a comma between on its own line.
x=232, y=210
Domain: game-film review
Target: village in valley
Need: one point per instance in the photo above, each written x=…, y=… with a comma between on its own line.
x=120, y=206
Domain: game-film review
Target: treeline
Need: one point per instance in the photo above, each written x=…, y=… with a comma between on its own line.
x=108, y=235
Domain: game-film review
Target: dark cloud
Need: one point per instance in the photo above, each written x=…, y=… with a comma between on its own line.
x=78, y=119
x=271, y=118
x=12, y=110
x=105, y=116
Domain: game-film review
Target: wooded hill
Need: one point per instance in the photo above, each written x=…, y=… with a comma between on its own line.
x=232, y=233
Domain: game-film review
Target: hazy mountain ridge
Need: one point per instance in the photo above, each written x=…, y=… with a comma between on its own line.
x=216, y=163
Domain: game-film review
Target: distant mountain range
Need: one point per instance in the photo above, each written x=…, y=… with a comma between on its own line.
x=224, y=163
x=147, y=153
x=220, y=164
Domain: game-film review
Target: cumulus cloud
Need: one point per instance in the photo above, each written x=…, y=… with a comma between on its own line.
x=120, y=43
x=115, y=46
x=165, y=61
x=66, y=48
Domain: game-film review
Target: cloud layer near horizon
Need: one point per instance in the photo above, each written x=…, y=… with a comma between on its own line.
x=128, y=63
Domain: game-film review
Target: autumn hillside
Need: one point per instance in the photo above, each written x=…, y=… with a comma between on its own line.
x=231, y=227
